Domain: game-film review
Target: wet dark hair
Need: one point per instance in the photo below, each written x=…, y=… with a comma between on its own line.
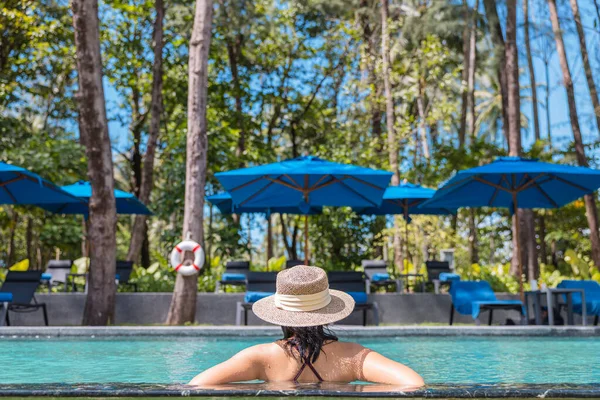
x=308, y=341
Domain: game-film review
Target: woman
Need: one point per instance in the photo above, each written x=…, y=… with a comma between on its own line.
x=303, y=305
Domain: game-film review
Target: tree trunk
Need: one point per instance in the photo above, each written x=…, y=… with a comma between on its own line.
x=536, y=118
x=514, y=115
x=533, y=266
x=269, y=239
x=542, y=234
x=389, y=116
x=10, y=259
x=512, y=80
x=183, y=304
x=590, y=205
x=499, y=49
x=422, y=128
x=586, y=62
x=471, y=73
x=548, y=122
x=29, y=244
x=140, y=228
x=473, y=245
x=93, y=128
x=466, y=37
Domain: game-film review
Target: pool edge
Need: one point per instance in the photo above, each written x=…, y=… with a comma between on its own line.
x=256, y=331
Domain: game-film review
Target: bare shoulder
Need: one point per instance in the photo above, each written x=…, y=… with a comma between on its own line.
x=346, y=349
x=260, y=352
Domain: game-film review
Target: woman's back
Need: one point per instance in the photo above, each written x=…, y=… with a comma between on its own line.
x=337, y=362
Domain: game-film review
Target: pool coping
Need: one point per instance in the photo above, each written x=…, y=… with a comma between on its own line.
x=257, y=331
x=303, y=390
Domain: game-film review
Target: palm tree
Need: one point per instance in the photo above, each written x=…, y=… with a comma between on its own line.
x=586, y=63
x=590, y=205
x=183, y=303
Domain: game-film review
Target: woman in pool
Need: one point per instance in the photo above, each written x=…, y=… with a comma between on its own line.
x=308, y=352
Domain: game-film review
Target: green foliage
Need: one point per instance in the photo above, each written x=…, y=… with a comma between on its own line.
x=285, y=79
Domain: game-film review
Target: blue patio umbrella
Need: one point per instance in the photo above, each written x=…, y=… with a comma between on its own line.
x=405, y=199
x=225, y=205
x=515, y=182
x=126, y=203
x=20, y=186
x=305, y=182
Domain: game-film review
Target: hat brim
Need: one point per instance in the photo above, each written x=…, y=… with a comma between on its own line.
x=341, y=305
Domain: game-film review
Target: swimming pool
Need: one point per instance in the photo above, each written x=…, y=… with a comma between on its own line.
x=440, y=360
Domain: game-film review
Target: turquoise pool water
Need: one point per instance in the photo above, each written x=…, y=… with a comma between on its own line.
x=440, y=360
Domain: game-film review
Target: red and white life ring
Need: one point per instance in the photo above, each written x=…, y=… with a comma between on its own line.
x=177, y=255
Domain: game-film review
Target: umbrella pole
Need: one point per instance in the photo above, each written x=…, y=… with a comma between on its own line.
x=518, y=247
x=306, y=257
x=407, y=258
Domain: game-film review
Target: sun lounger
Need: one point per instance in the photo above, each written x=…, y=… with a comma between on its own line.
x=58, y=273
x=592, y=296
x=22, y=286
x=260, y=285
x=123, y=274
x=439, y=273
x=5, y=300
x=236, y=273
x=473, y=297
x=354, y=283
x=293, y=263
x=377, y=275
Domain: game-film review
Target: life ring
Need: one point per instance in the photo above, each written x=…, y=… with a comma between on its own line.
x=177, y=254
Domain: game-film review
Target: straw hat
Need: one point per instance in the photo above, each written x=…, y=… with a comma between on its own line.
x=303, y=298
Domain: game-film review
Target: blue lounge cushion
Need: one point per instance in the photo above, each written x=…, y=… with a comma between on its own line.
x=46, y=277
x=449, y=277
x=231, y=277
x=252, y=297
x=592, y=295
x=5, y=297
x=379, y=277
x=359, y=297
x=469, y=296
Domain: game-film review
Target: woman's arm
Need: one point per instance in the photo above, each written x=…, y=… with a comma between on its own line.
x=244, y=366
x=380, y=369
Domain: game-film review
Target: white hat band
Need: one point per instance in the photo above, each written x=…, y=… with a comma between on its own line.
x=304, y=302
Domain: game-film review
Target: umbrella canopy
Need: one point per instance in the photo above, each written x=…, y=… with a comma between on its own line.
x=305, y=182
x=405, y=199
x=126, y=203
x=20, y=186
x=515, y=182
x=225, y=205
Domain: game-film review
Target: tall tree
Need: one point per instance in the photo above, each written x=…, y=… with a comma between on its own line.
x=525, y=217
x=585, y=58
x=390, y=121
x=93, y=129
x=532, y=264
x=500, y=55
x=534, y=100
x=590, y=205
x=183, y=304
x=139, y=228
